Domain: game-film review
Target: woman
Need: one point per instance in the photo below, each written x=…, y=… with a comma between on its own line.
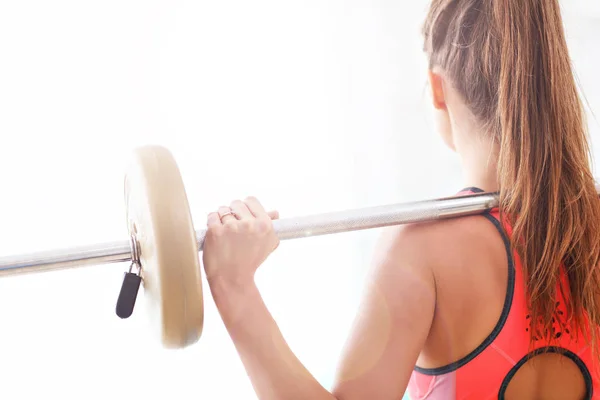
x=503, y=305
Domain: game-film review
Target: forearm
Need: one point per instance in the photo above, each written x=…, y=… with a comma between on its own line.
x=275, y=372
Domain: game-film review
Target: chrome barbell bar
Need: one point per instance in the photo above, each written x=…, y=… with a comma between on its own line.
x=292, y=228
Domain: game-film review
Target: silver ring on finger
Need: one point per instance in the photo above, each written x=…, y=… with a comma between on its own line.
x=228, y=213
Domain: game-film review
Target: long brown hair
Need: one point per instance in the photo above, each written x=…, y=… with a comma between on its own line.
x=509, y=61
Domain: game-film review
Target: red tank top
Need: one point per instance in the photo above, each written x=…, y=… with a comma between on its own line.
x=486, y=372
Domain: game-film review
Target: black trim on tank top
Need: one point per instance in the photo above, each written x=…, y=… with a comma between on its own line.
x=473, y=189
x=510, y=289
x=587, y=377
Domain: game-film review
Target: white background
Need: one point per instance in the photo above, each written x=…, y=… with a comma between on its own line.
x=312, y=106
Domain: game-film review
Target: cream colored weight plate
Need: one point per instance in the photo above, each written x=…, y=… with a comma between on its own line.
x=158, y=214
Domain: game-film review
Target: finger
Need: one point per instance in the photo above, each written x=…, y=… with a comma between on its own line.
x=273, y=214
x=213, y=220
x=255, y=207
x=225, y=215
x=241, y=210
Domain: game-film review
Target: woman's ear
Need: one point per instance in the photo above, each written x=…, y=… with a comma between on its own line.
x=441, y=111
x=437, y=90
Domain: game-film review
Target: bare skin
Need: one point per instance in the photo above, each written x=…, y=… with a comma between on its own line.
x=435, y=292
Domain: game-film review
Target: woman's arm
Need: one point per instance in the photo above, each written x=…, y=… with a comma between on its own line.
x=275, y=372
x=389, y=332
x=393, y=320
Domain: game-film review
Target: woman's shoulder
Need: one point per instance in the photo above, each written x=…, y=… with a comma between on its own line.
x=445, y=252
x=440, y=241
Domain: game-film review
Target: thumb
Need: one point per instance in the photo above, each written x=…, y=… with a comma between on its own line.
x=273, y=214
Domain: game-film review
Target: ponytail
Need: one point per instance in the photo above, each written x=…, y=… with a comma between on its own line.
x=547, y=190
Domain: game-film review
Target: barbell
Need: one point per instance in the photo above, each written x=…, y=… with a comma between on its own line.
x=163, y=246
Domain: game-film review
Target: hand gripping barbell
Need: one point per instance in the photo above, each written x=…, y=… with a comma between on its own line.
x=164, y=248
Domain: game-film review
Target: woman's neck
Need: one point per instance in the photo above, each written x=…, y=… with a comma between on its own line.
x=479, y=162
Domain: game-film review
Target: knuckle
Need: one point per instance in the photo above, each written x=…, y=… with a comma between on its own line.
x=230, y=228
x=264, y=225
x=247, y=225
x=215, y=231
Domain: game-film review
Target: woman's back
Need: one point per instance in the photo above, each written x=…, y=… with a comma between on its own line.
x=478, y=345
